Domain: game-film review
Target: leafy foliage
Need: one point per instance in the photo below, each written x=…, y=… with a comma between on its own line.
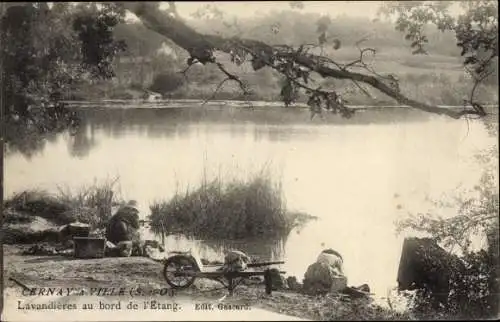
x=167, y=82
x=474, y=283
x=46, y=50
x=94, y=28
x=289, y=92
x=476, y=31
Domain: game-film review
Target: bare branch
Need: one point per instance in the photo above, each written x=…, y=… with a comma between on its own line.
x=360, y=59
x=229, y=77
x=233, y=77
x=215, y=92
x=185, y=70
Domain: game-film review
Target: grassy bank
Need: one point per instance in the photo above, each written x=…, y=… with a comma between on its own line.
x=232, y=209
x=35, y=215
x=439, y=88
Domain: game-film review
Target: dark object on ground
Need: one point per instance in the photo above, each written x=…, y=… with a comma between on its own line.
x=47, y=249
x=154, y=244
x=145, y=247
x=425, y=265
x=293, y=284
x=89, y=247
x=125, y=248
x=68, y=244
x=40, y=249
x=111, y=250
x=40, y=204
x=357, y=292
x=122, y=249
x=363, y=288
x=123, y=226
x=76, y=229
x=13, y=217
x=18, y=236
x=24, y=228
x=138, y=248
x=278, y=281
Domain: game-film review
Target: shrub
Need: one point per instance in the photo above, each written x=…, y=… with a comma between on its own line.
x=167, y=82
x=17, y=236
x=91, y=205
x=233, y=210
x=42, y=204
x=474, y=285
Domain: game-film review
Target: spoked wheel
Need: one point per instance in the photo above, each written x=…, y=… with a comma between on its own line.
x=179, y=271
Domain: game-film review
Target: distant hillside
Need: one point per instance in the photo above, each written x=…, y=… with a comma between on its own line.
x=297, y=28
x=294, y=28
x=436, y=78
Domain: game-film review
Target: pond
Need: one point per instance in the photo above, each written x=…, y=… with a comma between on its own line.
x=357, y=175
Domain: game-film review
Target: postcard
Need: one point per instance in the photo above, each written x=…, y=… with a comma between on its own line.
x=246, y=160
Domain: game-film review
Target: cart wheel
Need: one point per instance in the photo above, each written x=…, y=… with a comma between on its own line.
x=175, y=269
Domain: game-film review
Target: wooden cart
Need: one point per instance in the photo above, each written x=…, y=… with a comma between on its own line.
x=181, y=270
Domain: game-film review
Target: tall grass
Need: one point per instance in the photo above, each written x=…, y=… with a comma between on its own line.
x=235, y=209
x=92, y=204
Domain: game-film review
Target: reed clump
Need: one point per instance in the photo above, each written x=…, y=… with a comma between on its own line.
x=91, y=205
x=234, y=209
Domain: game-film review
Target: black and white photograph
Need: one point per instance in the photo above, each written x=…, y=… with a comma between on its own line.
x=249, y=160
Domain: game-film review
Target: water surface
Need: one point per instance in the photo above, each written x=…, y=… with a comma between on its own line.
x=356, y=175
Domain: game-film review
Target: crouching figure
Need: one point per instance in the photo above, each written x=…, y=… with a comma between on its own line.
x=326, y=274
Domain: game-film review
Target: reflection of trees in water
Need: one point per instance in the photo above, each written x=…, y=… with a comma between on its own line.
x=82, y=140
x=28, y=143
x=271, y=123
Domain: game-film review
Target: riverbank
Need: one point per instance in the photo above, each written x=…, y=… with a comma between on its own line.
x=134, y=272
x=190, y=103
x=34, y=217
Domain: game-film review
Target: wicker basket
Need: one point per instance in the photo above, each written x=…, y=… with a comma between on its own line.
x=89, y=247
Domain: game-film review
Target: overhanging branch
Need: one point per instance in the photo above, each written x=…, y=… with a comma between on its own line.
x=201, y=47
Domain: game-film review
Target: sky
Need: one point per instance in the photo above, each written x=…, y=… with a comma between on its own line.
x=244, y=9
x=251, y=8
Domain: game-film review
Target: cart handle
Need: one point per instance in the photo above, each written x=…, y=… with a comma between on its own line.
x=264, y=264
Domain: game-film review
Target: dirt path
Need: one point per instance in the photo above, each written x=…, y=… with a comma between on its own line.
x=142, y=281
x=185, y=311
x=131, y=273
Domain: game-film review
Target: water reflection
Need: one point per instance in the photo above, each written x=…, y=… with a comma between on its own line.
x=273, y=123
x=82, y=140
x=214, y=250
x=345, y=172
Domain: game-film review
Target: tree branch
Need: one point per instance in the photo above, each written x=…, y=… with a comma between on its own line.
x=229, y=77
x=201, y=47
